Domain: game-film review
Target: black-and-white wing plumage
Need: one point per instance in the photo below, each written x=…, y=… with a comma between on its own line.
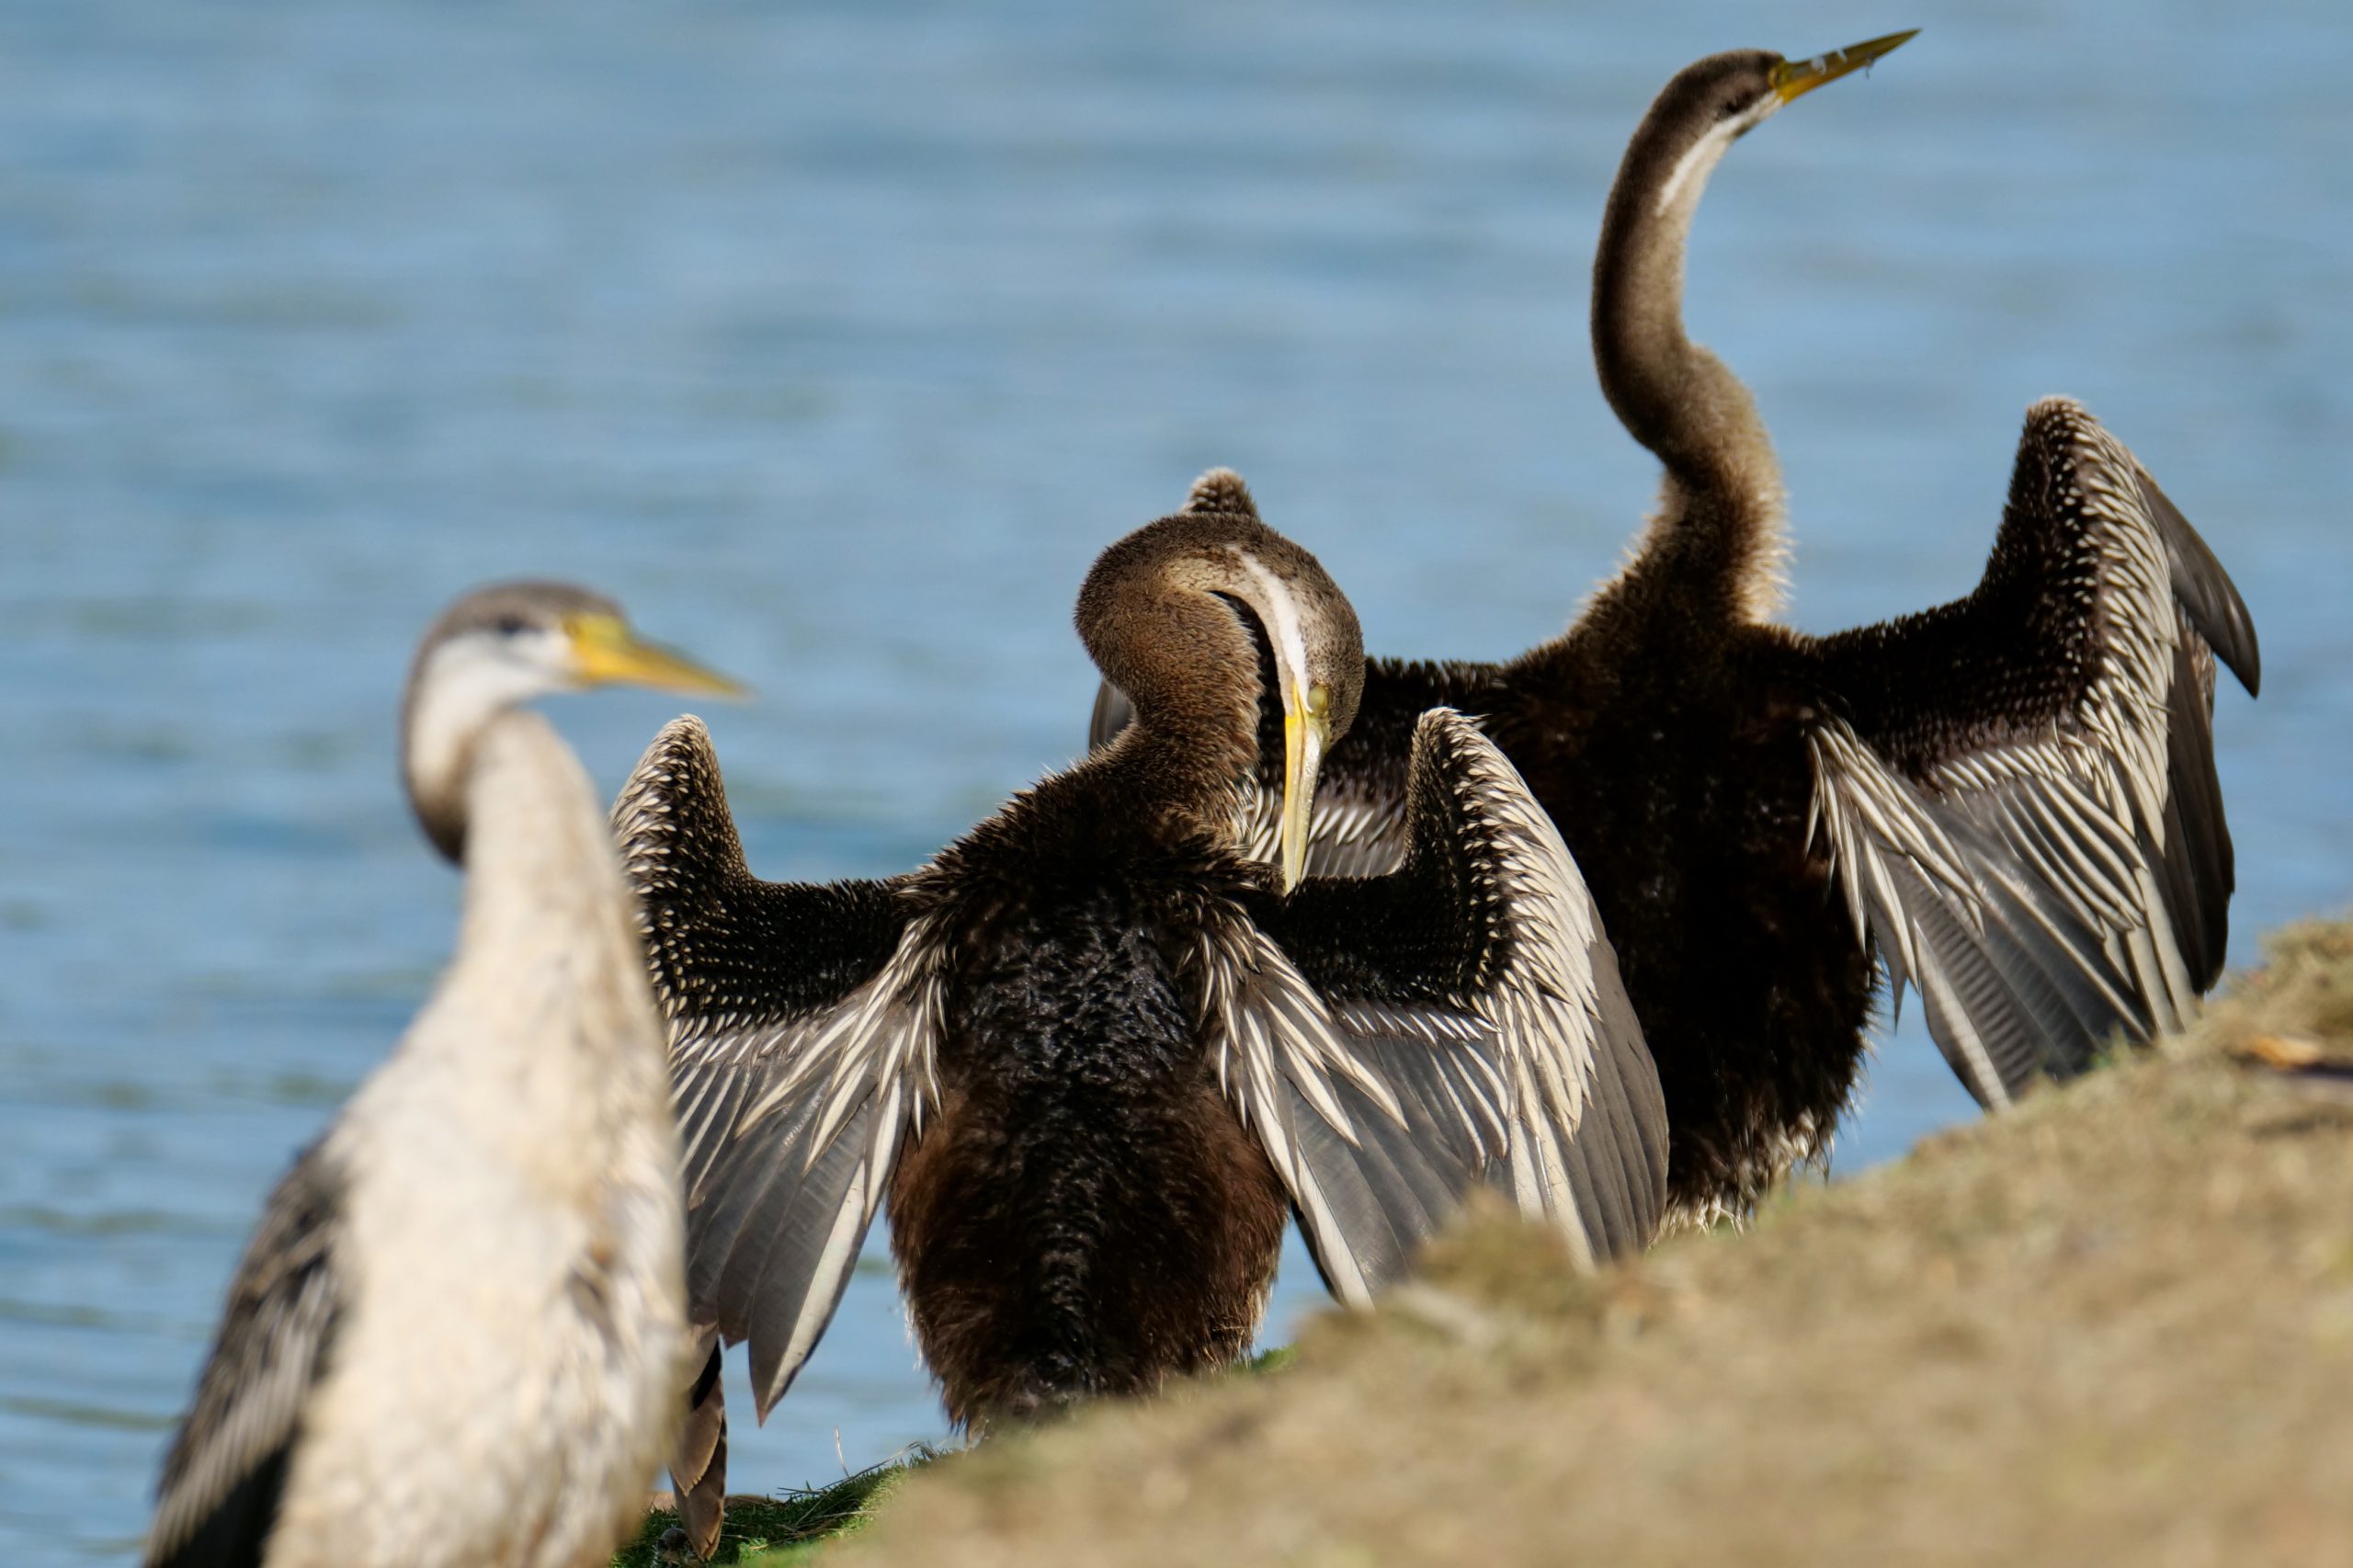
x=2017, y=789
x=226, y=1468
x=1396, y=1040
x=802, y=1021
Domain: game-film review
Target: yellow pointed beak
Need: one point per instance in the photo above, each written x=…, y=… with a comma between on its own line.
x=1307, y=731
x=1795, y=78
x=606, y=653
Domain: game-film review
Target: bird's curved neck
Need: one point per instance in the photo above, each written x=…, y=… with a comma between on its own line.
x=452, y=702
x=1719, y=528
x=1191, y=672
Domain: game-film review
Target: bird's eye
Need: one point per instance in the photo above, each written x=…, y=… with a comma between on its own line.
x=511, y=625
x=1731, y=107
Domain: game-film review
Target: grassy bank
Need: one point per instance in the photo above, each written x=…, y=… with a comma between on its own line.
x=2115, y=1325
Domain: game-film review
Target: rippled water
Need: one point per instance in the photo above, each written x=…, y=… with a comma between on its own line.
x=838, y=339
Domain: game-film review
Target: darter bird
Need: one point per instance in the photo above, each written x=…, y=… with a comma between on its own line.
x=1093, y=1057
x=2008, y=801
x=458, y=1335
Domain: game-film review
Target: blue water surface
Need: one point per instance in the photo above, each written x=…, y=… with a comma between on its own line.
x=836, y=338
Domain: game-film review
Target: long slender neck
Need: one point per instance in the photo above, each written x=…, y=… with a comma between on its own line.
x=543, y=875
x=545, y=1005
x=1719, y=526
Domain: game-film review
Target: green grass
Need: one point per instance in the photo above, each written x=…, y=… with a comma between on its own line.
x=769, y=1532
x=1266, y=1361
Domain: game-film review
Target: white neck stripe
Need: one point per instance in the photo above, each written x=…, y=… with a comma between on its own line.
x=1701, y=157
x=1283, y=615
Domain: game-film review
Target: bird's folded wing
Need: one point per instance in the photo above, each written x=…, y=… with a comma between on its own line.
x=802, y=1023
x=2017, y=789
x=1358, y=828
x=226, y=1468
x=1396, y=1040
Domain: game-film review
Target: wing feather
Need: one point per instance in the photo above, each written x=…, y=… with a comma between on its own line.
x=226, y=1468
x=2218, y=616
x=802, y=1020
x=2034, y=838
x=1397, y=1041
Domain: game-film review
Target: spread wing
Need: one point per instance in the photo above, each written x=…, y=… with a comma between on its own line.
x=1395, y=1040
x=2017, y=789
x=802, y=1023
x=1359, y=827
x=226, y=1468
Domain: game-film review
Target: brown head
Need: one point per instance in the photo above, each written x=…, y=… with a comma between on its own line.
x=503, y=646
x=1184, y=615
